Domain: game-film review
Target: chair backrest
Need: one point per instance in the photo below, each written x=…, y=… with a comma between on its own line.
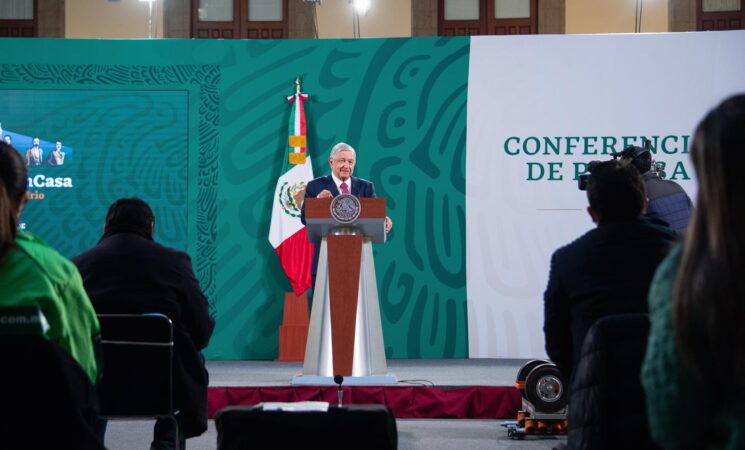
x=47, y=399
x=607, y=407
x=137, y=365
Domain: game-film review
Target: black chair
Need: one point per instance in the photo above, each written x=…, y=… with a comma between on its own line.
x=607, y=404
x=352, y=426
x=137, y=378
x=47, y=399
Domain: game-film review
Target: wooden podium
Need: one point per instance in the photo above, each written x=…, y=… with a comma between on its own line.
x=345, y=336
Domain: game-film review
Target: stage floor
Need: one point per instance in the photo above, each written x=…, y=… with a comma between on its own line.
x=426, y=389
x=418, y=372
x=413, y=434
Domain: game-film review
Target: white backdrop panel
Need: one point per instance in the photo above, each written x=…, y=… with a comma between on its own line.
x=589, y=88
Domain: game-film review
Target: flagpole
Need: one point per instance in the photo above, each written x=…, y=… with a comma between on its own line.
x=287, y=234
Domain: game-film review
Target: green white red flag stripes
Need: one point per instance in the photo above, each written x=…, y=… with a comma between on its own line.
x=286, y=233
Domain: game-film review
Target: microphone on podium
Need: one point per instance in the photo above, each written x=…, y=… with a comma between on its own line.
x=338, y=379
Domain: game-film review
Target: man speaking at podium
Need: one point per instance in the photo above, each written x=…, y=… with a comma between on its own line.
x=341, y=159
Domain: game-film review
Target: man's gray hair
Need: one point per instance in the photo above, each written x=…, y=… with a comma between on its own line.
x=341, y=147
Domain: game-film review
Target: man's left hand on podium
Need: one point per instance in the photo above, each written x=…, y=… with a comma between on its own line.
x=388, y=224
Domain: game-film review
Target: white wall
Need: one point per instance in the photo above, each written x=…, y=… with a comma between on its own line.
x=119, y=19
x=614, y=16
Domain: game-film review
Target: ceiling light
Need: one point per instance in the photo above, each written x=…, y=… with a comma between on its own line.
x=361, y=6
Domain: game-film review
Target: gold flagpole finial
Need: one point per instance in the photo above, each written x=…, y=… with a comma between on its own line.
x=297, y=84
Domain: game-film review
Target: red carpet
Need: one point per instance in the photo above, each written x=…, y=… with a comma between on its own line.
x=406, y=402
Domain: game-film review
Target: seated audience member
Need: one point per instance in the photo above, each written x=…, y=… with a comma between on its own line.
x=34, y=274
x=51, y=402
x=694, y=369
x=128, y=272
x=607, y=270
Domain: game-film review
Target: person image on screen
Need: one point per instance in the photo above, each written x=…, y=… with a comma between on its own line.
x=34, y=154
x=56, y=156
x=694, y=369
x=128, y=272
x=342, y=160
x=6, y=137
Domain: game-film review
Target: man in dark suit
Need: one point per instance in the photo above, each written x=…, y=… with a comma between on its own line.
x=606, y=271
x=34, y=154
x=128, y=272
x=342, y=160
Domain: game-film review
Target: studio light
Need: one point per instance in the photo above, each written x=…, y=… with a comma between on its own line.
x=361, y=7
x=150, y=17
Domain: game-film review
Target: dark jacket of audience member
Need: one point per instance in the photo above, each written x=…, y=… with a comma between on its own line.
x=127, y=272
x=607, y=270
x=607, y=410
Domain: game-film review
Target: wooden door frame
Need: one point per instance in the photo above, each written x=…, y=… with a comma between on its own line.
x=213, y=29
x=240, y=27
x=20, y=27
x=247, y=26
x=723, y=15
x=471, y=25
x=486, y=23
x=492, y=22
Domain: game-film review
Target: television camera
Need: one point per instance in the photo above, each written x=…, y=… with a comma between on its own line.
x=628, y=156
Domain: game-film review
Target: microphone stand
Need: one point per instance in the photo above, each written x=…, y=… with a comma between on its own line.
x=338, y=379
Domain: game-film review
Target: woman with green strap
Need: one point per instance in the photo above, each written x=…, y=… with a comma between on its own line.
x=33, y=274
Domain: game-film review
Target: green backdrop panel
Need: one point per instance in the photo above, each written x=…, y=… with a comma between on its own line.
x=400, y=102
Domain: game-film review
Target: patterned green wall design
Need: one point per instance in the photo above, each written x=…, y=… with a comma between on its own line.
x=400, y=102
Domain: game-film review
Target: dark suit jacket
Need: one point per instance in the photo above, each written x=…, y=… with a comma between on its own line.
x=129, y=273
x=360, y=188
x=606, y=271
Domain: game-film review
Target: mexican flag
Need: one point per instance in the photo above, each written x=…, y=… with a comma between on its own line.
x=286, y=233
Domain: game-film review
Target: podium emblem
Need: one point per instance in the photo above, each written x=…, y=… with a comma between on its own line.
x=345, y=208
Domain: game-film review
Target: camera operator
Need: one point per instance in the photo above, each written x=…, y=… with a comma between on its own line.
x=667, y=200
